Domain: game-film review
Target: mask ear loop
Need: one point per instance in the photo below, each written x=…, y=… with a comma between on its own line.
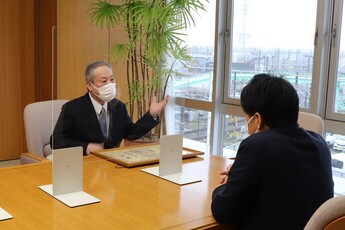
x=258, y=117
x=247, y=126
x=92, y=86
x=250, y=120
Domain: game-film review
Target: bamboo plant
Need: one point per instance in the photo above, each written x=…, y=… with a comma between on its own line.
x=154, y=43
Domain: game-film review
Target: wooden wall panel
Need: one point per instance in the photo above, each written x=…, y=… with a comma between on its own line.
x=117, y=35
x=45, y=21
x=28, y=53
x=25, y=42
x=17, y=82
x=79, y=43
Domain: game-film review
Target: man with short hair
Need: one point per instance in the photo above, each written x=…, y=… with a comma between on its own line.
x=282, y=173
x=98, y=120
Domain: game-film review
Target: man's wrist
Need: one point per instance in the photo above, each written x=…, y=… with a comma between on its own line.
x=153, y=115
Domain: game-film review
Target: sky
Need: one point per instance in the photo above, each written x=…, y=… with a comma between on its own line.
x=267, y=23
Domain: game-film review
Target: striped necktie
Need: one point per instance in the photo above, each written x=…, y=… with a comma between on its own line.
x=103, y=122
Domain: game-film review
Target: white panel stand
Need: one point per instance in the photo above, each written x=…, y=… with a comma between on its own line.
x=72, y=199
x=4, y=215
x=177, y=178
x=67, y=173
x=170, y=161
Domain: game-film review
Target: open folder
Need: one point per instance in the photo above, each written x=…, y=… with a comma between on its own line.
x=68, y=178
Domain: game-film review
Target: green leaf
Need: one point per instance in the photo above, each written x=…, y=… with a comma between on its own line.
x=120, y=51
x=154, y=41
x=102, y=12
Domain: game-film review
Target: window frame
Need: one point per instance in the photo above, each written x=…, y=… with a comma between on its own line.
x=321, y=88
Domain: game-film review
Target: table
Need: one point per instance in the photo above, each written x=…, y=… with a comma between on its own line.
x=130, y=198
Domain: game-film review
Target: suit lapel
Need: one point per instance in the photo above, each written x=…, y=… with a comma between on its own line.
x=90, y=115
x=111, y=108
x=108, y=141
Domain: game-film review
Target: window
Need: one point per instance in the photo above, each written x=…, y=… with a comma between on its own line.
x=193, y=85
x=194, y=125
x=195, y=81
x=336, y=144
x=235, y=131
x=299, y=40
x=272, y=37
x=336, y=91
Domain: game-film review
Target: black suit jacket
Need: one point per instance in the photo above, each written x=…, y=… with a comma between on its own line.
x=78, y=125
x=278, y=180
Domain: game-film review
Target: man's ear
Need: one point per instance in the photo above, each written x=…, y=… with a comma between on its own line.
x=259, y=121
x=89, y=86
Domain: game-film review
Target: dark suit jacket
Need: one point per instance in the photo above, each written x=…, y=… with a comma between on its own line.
x=78, y=125
x=278, y=180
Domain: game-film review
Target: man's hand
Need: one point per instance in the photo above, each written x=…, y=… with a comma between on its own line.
x=157, y=107
x=93, y=147
x=225, y=174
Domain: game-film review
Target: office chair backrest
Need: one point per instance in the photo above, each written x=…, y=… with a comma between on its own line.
x=311, y=122
x=39, y=121
x=329, y=216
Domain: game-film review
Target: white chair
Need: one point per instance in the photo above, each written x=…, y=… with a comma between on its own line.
x=311, y=122
x=329, y=216
x=39, y=121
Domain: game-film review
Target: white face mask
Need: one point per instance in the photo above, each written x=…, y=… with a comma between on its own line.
x=106, y=92
x=247, y=128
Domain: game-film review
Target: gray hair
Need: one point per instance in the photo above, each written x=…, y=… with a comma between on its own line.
x=91, y=67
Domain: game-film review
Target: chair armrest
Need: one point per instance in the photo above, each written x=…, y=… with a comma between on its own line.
x=28, y=158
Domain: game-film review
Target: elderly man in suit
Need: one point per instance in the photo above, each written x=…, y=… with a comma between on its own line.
x=98, y=120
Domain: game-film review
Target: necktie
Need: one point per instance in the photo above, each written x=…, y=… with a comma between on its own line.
x=103, y=122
